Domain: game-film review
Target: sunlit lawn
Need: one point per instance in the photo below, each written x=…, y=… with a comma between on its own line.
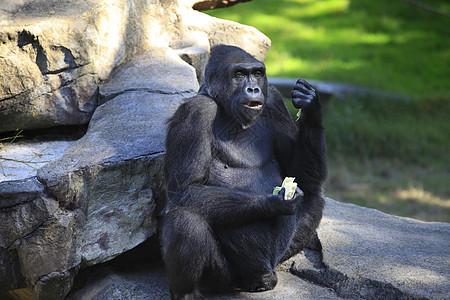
x=383, y=153
x=381, y=44
x=391, y=186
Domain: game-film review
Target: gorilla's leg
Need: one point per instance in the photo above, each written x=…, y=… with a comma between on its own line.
x=298, y=244
x=305, y=235
x=259, y=282
x=255, y=249
x=191, y=253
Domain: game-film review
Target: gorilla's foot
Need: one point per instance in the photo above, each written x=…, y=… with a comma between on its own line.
x=263, y=283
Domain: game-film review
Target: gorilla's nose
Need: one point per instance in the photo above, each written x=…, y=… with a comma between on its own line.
x=252, y=91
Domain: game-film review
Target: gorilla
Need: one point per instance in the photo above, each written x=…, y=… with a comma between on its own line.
x=226, y=149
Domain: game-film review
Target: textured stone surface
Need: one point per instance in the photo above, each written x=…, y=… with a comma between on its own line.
x=148, y=281
x=110, y=175
x=21, y=160
x=149, y=72
x=24, y=206
x=50, y=254
x=54, y=54
x=11, y=276
x=228, y=32
x=121, y=65
x=368, y=254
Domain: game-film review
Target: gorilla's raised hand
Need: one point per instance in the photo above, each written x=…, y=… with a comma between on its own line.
x=304, y=97
x=287, y=207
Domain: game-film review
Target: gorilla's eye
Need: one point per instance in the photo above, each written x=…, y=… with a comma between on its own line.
x=239, y=74
x=258, y=74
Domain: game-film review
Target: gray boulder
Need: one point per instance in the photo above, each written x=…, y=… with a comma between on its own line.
x=148, y=281
x=97, y=200
x=366, y=254
x=20, y=160
x=54, y=54
x=123, y=66
x=106, y=183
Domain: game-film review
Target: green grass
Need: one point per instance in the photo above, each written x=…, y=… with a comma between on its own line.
x=391, y=186
x=381, y=44
x=416, y=132
x=383, y=153
x=391, y=155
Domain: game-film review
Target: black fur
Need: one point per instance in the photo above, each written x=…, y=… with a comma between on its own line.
x=227, y=148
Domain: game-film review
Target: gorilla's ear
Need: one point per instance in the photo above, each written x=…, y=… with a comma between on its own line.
x=215, y=78
x=213, y=85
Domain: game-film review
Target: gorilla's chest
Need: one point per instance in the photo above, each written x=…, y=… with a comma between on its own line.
x=245, y=158
x=239, y=148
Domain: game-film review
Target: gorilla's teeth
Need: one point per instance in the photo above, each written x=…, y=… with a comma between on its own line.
x=254, y=104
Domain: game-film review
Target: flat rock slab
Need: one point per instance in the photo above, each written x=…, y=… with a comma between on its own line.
x=149, y=281
x=368, y=254
x=149, y=72
x=22, y=159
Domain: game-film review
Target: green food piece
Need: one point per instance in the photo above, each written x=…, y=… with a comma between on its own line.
x=289, y=185
x=287, y=181
x=276, y=190
x=299, y=113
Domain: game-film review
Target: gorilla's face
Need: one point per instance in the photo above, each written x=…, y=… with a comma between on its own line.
x=238, y=83
x=248, y=100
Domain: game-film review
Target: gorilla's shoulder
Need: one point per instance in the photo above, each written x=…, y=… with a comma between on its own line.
x=196, y=109
x=274, y=96
x=199, y=103
x=275, y=102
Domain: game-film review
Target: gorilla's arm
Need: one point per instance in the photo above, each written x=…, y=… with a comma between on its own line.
x=188, y=157
x=301, y=153
x=222, y=206
x=301, y=150
x=309, y=161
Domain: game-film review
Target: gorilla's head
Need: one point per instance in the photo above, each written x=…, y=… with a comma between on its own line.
x=237, y=82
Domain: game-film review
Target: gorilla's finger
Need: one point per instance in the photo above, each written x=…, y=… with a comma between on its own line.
x=304, y=87
x=300, y=94
x=301, y=103
x=302, y=82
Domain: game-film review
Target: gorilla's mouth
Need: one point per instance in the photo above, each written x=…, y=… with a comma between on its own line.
x=253, y=104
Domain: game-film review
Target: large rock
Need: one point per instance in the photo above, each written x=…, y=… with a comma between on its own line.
x=148, y=281
x=98, y=196
x=109, y=179
x=227, y=32
x=21, y=160
x=24, y=207
x=366, y=254
x=54, y=54
x=149, y=73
